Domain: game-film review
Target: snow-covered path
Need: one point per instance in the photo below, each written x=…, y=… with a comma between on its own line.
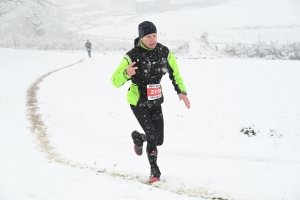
x=25, y=173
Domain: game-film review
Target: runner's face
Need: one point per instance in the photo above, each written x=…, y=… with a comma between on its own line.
x=150, y=40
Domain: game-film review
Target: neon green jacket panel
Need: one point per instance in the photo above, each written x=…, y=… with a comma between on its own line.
x=119, y=78
x=133, y=94
x=175, y=75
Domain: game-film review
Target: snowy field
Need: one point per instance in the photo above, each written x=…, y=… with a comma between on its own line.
x=245, y=21
x=81, y=146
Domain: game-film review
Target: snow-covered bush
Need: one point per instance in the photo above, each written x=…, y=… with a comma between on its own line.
x=236, y=50
x=204, y=38
x=262, y=50
x=248, y=131
x=180, y=47
x=291, y=51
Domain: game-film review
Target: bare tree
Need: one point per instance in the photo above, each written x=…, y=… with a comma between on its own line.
x=9, y=5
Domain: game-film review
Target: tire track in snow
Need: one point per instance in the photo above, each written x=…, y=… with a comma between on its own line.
x=39, y=128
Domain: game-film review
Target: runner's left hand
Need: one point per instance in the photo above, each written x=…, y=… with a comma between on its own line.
x=185, y=99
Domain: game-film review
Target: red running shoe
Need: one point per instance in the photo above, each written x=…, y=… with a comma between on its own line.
x=153, y=179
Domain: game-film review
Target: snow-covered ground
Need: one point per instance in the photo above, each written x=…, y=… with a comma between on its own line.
x=81, y=146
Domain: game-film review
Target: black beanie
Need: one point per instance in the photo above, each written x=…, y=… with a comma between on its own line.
x=146, y=28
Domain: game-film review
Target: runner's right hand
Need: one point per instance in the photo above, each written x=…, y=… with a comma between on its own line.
x=131, y=70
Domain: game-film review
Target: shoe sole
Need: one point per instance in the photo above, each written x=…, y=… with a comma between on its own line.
x=137, y=153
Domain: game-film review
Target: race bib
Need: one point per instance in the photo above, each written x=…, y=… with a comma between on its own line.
x=154, y=91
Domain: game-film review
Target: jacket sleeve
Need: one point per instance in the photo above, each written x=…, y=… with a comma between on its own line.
x=174, y=75
x=119, y=78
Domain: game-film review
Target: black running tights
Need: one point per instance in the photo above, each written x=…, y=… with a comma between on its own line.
x=152, y=122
